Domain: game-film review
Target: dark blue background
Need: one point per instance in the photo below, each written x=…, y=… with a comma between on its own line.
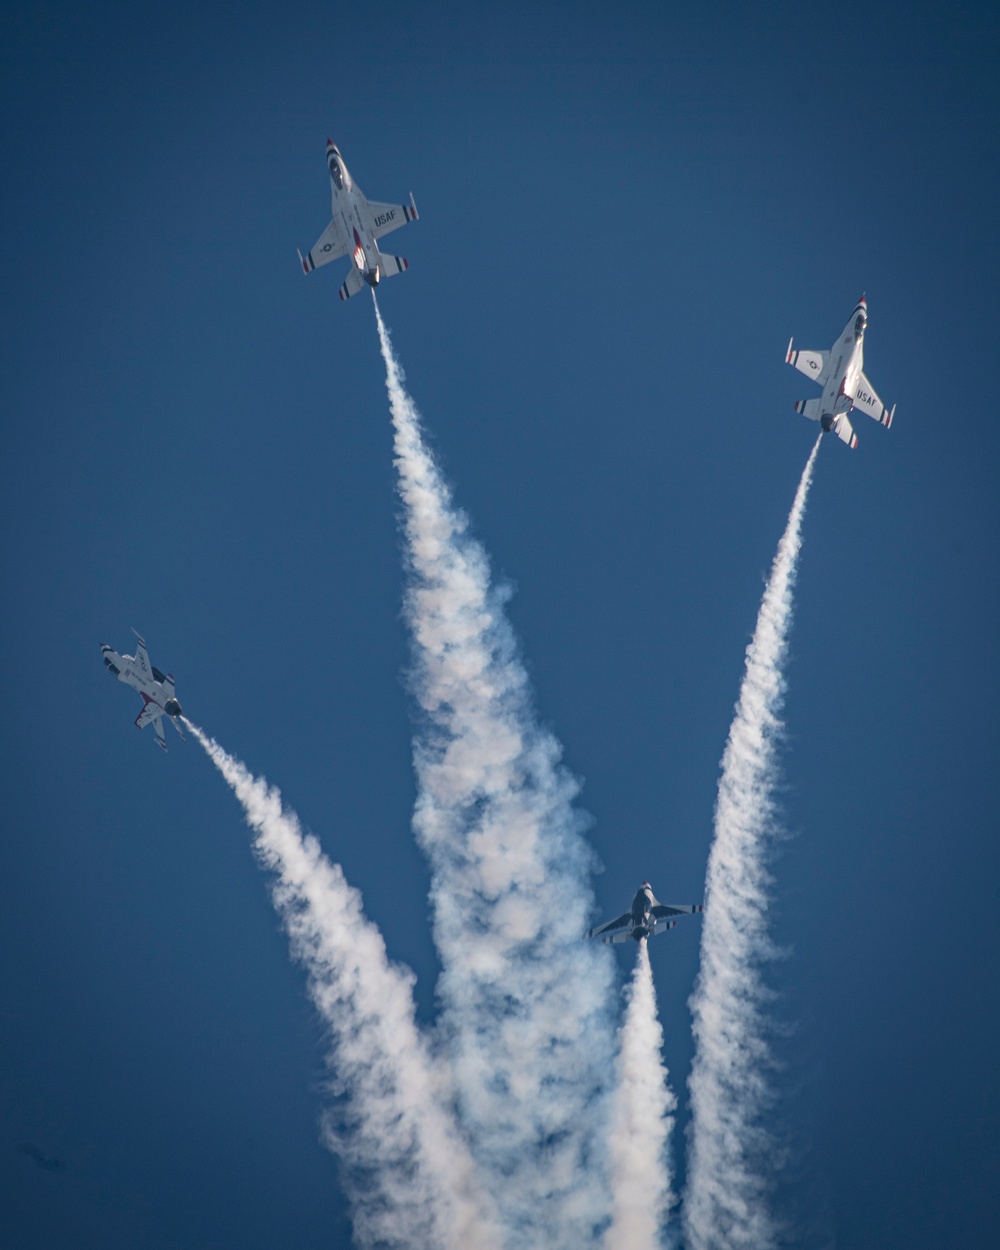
x=624, y=215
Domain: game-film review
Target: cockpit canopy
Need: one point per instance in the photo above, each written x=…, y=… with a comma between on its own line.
x=859, y=325
x=112, y=668
x=338, y=172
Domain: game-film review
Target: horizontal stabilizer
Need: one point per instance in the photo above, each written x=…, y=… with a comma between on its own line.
x=661, y=926
x=845, y=431
x=811, y=408
x=150, y=713
x=389, y=266
x=353, y=284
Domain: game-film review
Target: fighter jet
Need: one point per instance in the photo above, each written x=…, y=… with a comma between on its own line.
x=644, y=919
x=839, y=373
x=156, y=688
x=357, y=223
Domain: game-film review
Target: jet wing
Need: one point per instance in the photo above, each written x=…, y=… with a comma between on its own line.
x=388, y=217
x=662, y=910
x=623, y=922
x=812, y=364
x=866, y=399
x=142, y=658
x=329, y=246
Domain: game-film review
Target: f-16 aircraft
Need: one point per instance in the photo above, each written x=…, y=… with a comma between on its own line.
x=357, y=223
x=644, y=919
x=156, y=688
x=839, y=373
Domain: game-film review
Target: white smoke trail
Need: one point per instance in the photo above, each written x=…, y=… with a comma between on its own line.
x=526, y=1003
x=725, y=1199
x=408, y=1173
x=642, y=1122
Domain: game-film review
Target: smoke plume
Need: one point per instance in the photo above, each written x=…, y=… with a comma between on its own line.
x=525, y=1003
x=408, y=1173
x=731, y=1149
x=642, y=1121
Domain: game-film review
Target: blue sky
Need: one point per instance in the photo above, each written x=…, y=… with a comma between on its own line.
x=624, y=216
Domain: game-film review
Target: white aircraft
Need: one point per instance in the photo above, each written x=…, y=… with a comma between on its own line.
x=644, y=919
x=357, y=223
x=839, y=373
x=156, y=688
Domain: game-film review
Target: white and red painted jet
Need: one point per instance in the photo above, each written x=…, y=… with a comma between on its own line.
x=644, y=919
x=840, y=373
x=156, y=688
x=357, y=223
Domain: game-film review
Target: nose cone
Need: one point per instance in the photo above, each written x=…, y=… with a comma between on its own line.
x=863, y=301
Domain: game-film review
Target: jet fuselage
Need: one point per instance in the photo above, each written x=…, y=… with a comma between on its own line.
x=154, y=687
x=642, y=907
x=847, y=362
x=352, y=222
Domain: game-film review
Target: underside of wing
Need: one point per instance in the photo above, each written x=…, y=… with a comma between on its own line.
x=142, y=657
x=388, y=217
x=868, y=401
x=812, y=364
x=611, y=927
x=676, y=909
x=616, y=939
x=329, y=246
